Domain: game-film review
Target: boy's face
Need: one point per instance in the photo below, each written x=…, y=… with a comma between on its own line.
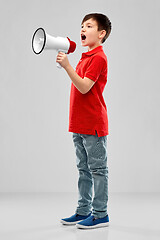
x=90, y=34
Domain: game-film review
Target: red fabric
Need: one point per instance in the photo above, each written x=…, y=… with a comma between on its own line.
x=88, y=112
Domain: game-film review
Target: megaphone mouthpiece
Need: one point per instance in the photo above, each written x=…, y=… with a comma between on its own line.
x=72, y=46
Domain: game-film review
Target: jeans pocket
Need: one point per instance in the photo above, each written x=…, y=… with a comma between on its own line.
x=98, y=155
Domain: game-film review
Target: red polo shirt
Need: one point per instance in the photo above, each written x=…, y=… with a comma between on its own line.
x=88, y=112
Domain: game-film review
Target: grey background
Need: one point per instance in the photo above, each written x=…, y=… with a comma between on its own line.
x=36, y=150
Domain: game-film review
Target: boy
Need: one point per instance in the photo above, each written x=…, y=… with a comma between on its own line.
x=88, y=121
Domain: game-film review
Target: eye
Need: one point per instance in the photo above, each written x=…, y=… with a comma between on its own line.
x=81, y=26
x=89, y=26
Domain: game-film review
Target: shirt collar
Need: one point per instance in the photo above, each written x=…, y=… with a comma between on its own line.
x=93, y=51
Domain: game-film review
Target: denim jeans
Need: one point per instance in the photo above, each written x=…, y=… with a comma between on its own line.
x=91, y=160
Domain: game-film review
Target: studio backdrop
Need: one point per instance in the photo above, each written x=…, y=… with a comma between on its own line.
x=36, y=149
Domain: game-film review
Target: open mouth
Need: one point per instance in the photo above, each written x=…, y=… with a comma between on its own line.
x=83, y=37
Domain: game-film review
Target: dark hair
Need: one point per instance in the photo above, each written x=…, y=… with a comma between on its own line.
x=103, y=23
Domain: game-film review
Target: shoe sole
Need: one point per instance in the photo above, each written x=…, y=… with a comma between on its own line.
x=69, y=223
x=94, y=226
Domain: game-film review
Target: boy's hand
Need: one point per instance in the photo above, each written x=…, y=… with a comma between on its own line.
x=62, y=59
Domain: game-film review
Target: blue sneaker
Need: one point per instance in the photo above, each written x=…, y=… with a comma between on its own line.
x=74, y=219
x=92, y=222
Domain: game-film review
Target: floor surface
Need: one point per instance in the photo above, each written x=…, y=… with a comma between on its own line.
x=31, y=216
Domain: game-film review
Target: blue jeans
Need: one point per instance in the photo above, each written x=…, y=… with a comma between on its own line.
x=91, y=159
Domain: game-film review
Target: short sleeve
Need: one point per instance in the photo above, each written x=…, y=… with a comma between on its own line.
x=95, y=67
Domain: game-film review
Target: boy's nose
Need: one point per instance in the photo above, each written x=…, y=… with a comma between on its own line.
x=83, y=31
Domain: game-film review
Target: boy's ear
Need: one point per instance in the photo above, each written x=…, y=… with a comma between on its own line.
x=102, y=34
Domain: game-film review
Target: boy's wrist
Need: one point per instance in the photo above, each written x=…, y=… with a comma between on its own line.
x=67, y=67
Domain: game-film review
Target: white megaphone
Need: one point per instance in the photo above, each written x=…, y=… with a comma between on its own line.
x=42, y=41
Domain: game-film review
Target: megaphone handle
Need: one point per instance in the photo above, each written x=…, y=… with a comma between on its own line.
x=58, y=65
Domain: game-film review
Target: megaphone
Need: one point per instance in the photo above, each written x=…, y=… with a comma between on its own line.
x=43, y=41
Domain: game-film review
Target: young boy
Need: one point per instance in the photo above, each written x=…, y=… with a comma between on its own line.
x=88, y=121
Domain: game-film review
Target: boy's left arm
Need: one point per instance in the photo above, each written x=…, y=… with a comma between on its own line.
x=82, y=84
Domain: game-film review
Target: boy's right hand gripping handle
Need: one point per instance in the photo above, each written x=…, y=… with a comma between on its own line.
x=72, y=47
